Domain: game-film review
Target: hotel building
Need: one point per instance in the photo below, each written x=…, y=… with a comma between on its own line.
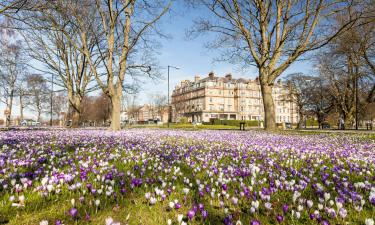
x=227, y=98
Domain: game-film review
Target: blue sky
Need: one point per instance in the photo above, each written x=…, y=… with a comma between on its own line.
x=190, y=55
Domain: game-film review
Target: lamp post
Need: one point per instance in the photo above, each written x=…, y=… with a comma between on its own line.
x=169, y=111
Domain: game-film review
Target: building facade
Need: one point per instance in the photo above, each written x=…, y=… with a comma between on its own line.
x=145, y=114
x=226, y=98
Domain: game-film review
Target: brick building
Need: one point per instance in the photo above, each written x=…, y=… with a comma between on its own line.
x=227, y=98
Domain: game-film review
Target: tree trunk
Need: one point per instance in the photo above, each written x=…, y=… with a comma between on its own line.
x=116, y=111
x=76, y=112
x=75, y=118
x=300, y=121
x=39, y=114
x=269, y=107
x=10, y=107
x=21, y=108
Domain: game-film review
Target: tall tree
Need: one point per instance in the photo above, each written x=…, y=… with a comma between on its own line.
x=345, y=64
x=271, y=34
x=12, y=6
x=122, y=37
x=59, y=104
x=364, y=36
x=302, y=89
x=12, y=65
x=48, y=45
x=131, y=107
x=158, y=104
x=22, y=93
x=38, y=94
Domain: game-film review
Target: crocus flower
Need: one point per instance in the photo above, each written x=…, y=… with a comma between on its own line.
x=279, y=218
x=73, y=212
x=43, y=222
x=190, y=214
x=254, y=222
x=285, y=208
x=204, y=214
x=369, y=221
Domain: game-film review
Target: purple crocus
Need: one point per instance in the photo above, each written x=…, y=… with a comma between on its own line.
x=73, y=212
x=254, y=222
x=285, y=208
x=204, y=214
x=279, y=218
x=191, y=214
x=200, y=206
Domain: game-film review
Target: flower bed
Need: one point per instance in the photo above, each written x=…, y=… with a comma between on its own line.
x=144, y=176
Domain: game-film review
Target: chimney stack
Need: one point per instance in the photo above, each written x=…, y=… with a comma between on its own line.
x=197, y=78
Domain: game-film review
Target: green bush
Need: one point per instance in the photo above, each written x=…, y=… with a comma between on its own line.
x=183, y=120
x=248, y=123
x=311, y=122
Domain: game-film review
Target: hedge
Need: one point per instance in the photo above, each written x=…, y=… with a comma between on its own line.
x=249, y=123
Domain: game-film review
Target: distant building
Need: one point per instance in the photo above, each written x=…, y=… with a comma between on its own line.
x=147, y=113
x=226, y=98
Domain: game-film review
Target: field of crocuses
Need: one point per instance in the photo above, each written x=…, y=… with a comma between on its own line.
x=141, y=176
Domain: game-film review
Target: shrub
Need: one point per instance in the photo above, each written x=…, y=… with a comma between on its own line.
x=248, y=123
x=183, y=120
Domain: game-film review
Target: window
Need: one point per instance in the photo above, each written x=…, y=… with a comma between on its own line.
x=210, y=99
x=214, y=116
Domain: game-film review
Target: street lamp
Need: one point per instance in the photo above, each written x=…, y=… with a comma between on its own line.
x=169, y=111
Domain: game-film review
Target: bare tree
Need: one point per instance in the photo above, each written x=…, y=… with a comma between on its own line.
x=270, y=35
x=12, y=6
x=364, y=36
x=131, y=106
x=22, y=93
x=346, y=67
x=96, y=109
x=302, y=89
x=158, y=104
x=67, y=63
x=59, y=103
x=38, y=94
x=11, y=66
x=122, y=39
